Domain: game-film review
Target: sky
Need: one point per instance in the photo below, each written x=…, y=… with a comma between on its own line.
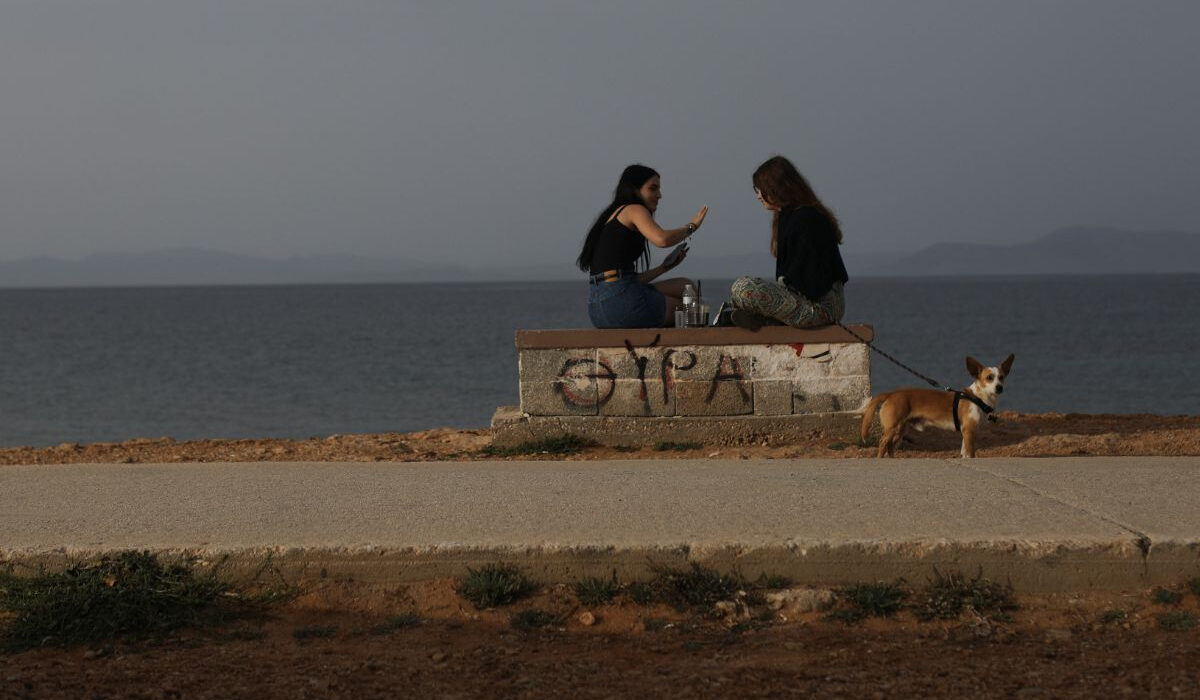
x=492, y=133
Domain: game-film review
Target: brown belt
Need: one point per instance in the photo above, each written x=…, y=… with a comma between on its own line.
x=609, y=276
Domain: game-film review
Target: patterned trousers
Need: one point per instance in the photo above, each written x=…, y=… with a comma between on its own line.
x=775, y=301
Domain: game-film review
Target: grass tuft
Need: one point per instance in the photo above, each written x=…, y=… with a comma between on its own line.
x=531, y=619
x=494, y=585
x=1113, y=616
x=1177, y=621
x=241, y=634
x=595, y=591
x=314, y=632
x=870, y=600
x=948, y=595
x=772, y=582
x=697, y=587
x=641, y=593
x=677, y=446
x=564, y=444
x=399, y=622
x=1165, y=596
x=129, y=595
x=839, y=446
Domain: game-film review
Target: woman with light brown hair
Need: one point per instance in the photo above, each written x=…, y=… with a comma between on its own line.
x=809, y=273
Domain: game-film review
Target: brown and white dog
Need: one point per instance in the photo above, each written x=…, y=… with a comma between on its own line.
x=921, y=408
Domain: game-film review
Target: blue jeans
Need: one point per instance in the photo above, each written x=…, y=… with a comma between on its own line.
x=626, y=303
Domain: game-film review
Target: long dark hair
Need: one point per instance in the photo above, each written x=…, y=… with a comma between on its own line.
x=627, y=192
x=782, y=185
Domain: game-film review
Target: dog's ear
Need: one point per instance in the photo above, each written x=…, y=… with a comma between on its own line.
x=1006, y=366
x=974, y=367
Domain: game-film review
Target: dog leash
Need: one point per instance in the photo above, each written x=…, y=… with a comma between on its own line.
x=931, y=382
x=958, y=395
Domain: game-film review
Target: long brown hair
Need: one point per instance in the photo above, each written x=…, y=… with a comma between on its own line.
x=782, y=185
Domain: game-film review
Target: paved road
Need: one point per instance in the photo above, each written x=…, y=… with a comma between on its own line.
x=1051, y=523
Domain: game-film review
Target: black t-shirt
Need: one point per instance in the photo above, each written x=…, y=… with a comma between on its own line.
x=807, y=257
x=618, y=247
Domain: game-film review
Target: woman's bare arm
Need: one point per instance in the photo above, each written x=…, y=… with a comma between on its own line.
x=639, y=219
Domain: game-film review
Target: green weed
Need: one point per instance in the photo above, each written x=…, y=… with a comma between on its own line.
x=240, y=634
x=1109, y=617
x=1165, y=596
x=697, y=587
x=130, y=595
x=947, y=596
x=870, y=600
x=531, y=619
x=677, y=446
x=595, y=591
x=641, y=592
x=772, y=581
x=493, y=585
x=308, y=632
x=562, y=445
x=399, y=622
x=1177, y=621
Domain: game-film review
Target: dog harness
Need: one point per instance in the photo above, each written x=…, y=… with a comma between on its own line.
x=959, y=396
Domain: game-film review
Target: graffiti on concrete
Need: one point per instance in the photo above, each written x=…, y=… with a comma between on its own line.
x=588, y=382
x=576, y=377
x=686, y=360
x=640, y=363
x=728, y=369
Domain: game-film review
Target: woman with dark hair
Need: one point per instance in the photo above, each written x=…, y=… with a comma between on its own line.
x=618, y=295
x=809, y=272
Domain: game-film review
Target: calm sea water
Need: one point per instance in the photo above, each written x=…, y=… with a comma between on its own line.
x=82, y=365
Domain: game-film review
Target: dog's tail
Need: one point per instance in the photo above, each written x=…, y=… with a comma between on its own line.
x=868, y=411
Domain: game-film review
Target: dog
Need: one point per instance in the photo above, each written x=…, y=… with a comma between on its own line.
x=953, y=410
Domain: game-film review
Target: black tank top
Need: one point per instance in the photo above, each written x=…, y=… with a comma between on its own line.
x=617, y=248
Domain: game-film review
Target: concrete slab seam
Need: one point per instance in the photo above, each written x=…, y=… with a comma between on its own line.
x=1142, y=540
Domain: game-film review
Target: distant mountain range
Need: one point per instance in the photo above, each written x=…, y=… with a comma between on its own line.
x=1067, y=251
x=1075, y=250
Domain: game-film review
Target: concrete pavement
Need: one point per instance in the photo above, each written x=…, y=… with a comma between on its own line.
x=1046, y=524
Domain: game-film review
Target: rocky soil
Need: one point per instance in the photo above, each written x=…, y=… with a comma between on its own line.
x=335, y=642
x=1014, y=435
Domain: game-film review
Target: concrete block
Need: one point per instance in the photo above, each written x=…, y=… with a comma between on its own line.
x=631, y=397
x=566, y=398
x=719, y=398
x=772, y=397
x=552, y=365
x=851, y=359
x=831, y=394
x=784, y=362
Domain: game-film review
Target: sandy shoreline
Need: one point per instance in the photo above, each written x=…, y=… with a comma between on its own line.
x=1015, y=435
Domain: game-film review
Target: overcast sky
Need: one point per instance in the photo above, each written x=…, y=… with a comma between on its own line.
x=491, y=133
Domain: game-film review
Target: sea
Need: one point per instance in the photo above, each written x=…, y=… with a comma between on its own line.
x=111, y=364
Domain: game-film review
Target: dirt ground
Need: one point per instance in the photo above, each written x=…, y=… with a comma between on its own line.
x=1014, y=435
x=333, y=643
